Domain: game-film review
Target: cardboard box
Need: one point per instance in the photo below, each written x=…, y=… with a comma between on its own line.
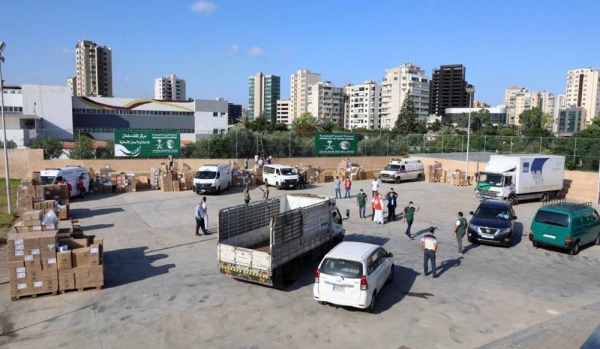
x=16, y=270
x=95, y=254
x=63, y=260
x=78, y=243
x=32, y=261
x=19, y=288
x=50, y=273
x=80, y=257
x=50, y=263
x=50, y=284
x=66, y=281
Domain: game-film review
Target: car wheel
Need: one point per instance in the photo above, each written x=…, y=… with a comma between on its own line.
x=391, y=276
x=397, y=180
x=228, y=185
x=218, y=190
x=574, y=249
x=419, y=177
x=544, y=197
x=371, y=307
x=322, y=303
x=512, y=200
x=277, y=185
x=535, y=244
x=598, y=240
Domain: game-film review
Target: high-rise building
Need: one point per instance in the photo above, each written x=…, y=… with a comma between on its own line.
x=583, y=91
x=169, y=88
x=361, y=105
x=397, y=83
x=325, y=101
x=479, y=105
x=570, y=120
x=234, y=113
x=559, y=104
x=94, y=70
x=263, y=93
x=548, y=106
x=72, y=83
x=448, y=89
x=283, y=111
x=518, y=100
x=299, y=83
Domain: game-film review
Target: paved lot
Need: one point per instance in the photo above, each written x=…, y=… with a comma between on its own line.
x=163, y=287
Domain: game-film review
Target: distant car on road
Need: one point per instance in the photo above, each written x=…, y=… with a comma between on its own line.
x=492, y=222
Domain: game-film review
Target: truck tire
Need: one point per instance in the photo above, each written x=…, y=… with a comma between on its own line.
x=544, y=197
x=398, y=179
x=419, y=177
x=291, y=272
x=574, y=249
x=512, y=199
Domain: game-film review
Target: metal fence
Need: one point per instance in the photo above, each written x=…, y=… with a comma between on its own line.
x=581, y=153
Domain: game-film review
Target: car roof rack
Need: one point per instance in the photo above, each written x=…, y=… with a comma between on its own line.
x=565, y=205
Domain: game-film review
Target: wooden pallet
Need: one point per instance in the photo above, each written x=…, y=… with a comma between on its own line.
x=80, y=289
x=34, y=295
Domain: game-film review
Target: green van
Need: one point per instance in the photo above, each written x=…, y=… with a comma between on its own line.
x=565, y=225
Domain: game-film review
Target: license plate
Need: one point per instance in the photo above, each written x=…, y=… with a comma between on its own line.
x=549, y=236
x=291, y=185
x=487, y=236
x=338, y=288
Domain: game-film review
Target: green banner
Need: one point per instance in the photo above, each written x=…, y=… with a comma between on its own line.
x=336, y=144
x=146, y=143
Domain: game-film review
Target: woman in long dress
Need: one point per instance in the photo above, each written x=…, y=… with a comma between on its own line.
x=377, y=204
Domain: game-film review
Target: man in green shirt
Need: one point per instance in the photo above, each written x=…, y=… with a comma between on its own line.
x=409, y=217
x=245, y=163
x=361, y=202
x=460, y=228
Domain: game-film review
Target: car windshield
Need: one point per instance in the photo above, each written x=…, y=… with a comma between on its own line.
x=205, y=175
x=493, y=179
x=392, y=168
x=492, y=212
x=552, y=218
x=46, y=180
x=342, y=267
x=288, y=171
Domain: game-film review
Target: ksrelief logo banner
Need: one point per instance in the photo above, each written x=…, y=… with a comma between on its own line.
x=146, y=143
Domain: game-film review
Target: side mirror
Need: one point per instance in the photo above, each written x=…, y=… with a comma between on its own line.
x=390, y=254
x=514, y=217
x=471, y=212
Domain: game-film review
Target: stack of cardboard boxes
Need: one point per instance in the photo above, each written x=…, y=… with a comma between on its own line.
x=36, y=267
x=154, y=178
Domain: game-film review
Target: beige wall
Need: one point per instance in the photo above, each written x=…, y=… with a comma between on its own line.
x=579, y=186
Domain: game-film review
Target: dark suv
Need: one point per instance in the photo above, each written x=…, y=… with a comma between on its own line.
x=492, y=222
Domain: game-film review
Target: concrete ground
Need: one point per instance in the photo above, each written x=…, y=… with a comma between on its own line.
x=163, y=287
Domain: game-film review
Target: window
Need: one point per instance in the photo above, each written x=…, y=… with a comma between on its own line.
x=342, y=267
x=373, y=262
x=215, y=131
x=215, y=114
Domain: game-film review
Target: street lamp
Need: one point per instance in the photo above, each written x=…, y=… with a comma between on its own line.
x=6, y=175
x=470, y=90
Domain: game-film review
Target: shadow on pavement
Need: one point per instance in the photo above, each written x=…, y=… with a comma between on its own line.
x=447, y=264
x=371, y=239
x=79, y=213
x=400, y=287
x=97, y=226
x=128, y=265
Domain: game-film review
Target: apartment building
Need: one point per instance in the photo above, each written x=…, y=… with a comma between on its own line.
x=361, y=105
x=263, y=93
x=234, y=113
x=518, y=100
x=559, y=104
x=283, y=111
x=93, y=76
x=479, y=105
x=448, y=89
x=299, y=83
x=396, y=84
x=72, y=83
x=324, y=101
x=583, y=86
x=169, y=88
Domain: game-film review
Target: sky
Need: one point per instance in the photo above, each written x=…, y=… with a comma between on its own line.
x=216, y=45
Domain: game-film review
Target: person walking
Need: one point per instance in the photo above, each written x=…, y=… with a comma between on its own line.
x=378, y=208
x=429, y=245
x=336, y=186
x=246, y=163
x=247, y=194
x=200, y=217
x=81, y=187
x=374, y=186
x=302, y=179
x=460, y=228
x=409, y=217
x=170, y=160
x=361, y=202
x=392, y=198
x=265, y=192
x=347, y=186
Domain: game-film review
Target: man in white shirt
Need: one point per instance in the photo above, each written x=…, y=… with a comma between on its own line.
x=374, y=189
x=201, y=217
x=429, y=245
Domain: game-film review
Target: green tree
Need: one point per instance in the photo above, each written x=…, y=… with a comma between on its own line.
x=52, y=147
x=244, y=121
x=10, y=144
x=405, y=124
x=83, y=149
x=327, y=125
x=435, y=126
x=305, y=125
x=106, y=152
x=534, y=118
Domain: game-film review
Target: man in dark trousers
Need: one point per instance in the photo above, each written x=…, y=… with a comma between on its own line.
x=200, y=217
x=429, y=245
x=392, y=199
x=409, y=217
x=460, y=228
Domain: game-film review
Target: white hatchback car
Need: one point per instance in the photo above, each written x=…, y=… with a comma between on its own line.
x=352, y=274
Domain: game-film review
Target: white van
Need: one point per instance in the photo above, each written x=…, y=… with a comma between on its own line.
x=353, y=274
x=212, y=178
x=280, y=176
x=70, y=174
x=399, y=170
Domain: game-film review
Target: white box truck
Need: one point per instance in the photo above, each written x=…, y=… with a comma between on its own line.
x=521, y=177
x=266, y=241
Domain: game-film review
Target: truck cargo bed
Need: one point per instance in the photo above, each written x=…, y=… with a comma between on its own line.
x=261, y=246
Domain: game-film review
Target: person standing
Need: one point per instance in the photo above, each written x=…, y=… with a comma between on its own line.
x=247, y=194
x=429, y=245
x=409, y=217
x=260, y=163
x=81, y=187
x=460, y=228
x=361, y=202
x=265, y=192
x=302, y=179
x=392, y=198
x=377, y=205
x=200, y=217
x=374, y=186
x=336, y=186
x=269, y=160
x=347, y=186
x=246, y=163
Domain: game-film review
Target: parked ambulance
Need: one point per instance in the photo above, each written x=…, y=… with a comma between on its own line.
x=70, y=174
x=399, y=170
